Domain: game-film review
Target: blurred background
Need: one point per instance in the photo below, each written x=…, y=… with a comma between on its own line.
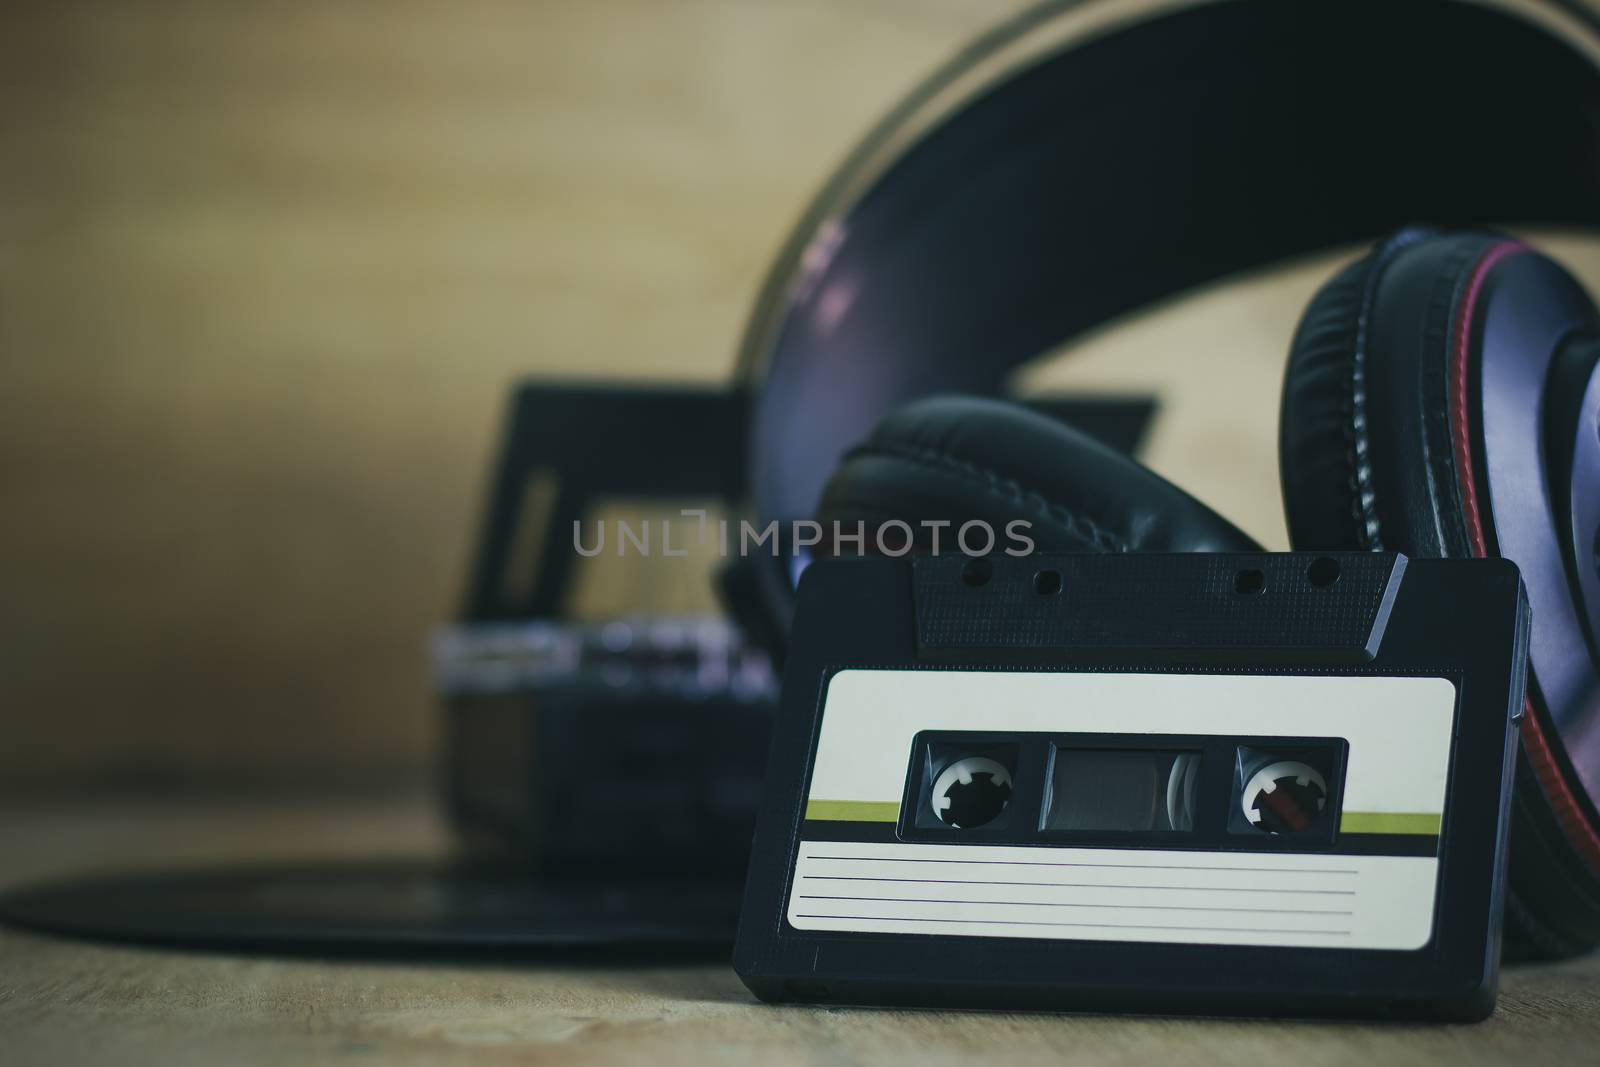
x=267, y=273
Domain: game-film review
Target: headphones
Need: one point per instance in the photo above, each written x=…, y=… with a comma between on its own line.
x=1440, y=397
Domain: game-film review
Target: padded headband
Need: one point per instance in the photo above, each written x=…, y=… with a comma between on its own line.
x=1068, y=169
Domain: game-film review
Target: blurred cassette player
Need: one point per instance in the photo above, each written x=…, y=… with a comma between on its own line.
x=1255, y=784
x=625, y=747
x=622, y=745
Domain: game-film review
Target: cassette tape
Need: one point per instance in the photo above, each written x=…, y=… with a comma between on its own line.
x=1272, y=784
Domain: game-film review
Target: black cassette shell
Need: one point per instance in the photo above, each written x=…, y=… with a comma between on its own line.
x=1380, y=616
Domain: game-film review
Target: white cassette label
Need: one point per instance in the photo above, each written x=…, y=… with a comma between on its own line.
x=1398, y=732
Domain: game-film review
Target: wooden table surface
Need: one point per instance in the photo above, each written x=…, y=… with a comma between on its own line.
x=76, y=1002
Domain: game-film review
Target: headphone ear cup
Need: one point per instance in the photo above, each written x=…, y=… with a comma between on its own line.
x=952, y=460
x=1376, y=452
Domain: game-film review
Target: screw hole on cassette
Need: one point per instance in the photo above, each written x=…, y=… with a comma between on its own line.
x=977, y=571
x=1249, y=582
x=1323, y=572
x=1047, y=583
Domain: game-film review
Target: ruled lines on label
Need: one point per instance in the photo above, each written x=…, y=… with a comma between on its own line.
x=1115, y=894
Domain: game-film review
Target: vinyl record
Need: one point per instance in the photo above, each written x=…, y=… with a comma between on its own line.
x=393, y=907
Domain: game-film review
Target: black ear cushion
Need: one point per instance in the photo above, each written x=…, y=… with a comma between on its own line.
x=1317, y=430
x=1364, y=447
x=957, y=459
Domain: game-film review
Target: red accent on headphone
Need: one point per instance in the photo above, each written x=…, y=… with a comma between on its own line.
x=1536, y=742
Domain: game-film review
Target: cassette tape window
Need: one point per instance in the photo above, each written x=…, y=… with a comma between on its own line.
x=1129, y=790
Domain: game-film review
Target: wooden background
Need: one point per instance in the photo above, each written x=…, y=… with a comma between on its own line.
x=267, y=272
